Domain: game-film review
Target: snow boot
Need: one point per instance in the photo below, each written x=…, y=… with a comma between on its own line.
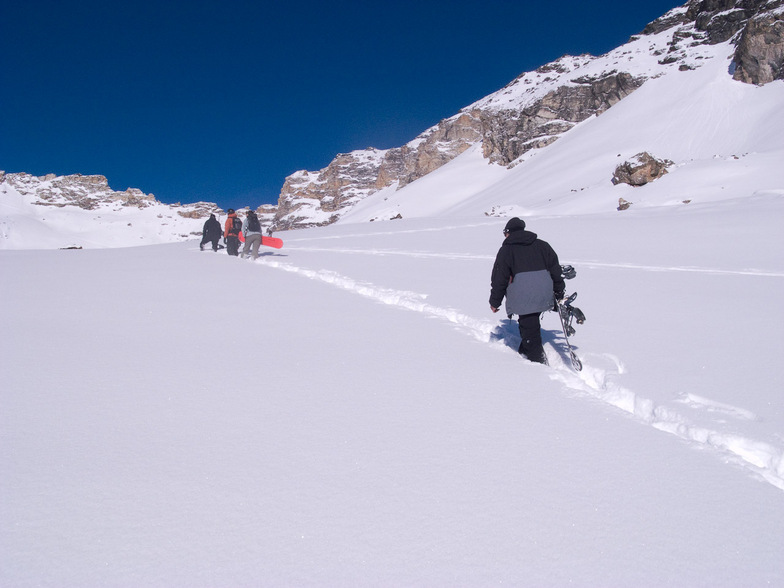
x=532, y=350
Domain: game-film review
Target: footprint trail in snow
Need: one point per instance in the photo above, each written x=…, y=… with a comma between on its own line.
x=763, y=459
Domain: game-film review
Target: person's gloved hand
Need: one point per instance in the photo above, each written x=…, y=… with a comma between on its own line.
x=558, y=297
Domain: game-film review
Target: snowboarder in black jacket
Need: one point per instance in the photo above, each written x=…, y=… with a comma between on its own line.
x=212, y=232
x=527, y=272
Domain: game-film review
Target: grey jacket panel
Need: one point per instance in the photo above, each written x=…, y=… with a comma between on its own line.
x=530, y=292
x=522, y=252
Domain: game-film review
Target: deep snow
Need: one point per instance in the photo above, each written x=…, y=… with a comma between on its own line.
x=347, y=411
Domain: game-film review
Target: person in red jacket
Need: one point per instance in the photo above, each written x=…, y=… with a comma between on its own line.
x=231, y=233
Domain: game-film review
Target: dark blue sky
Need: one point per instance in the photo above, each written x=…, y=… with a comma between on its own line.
x=221, y=100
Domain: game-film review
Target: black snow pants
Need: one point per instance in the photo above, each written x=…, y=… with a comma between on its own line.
x=210, y=239
x=233, y=245
x=531, y=333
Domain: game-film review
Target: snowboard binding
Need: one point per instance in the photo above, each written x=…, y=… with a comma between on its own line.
x=570, y=313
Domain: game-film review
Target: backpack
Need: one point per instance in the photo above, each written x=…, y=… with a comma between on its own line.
x=236, y=226
x=253, y=224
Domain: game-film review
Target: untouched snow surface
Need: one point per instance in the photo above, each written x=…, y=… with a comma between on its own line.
x=347, y=411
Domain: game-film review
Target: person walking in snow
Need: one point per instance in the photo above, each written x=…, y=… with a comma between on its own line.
x=527, y=272
x=251, y=229
x=211, y=233
x=231, y=233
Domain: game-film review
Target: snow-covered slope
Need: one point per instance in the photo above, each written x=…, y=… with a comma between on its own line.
x=562, y=129
x=726, y=139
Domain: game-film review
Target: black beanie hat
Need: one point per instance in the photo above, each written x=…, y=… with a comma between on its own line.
x=514, y=224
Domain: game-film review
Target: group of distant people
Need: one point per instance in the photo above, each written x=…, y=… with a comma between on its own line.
x=230, y=232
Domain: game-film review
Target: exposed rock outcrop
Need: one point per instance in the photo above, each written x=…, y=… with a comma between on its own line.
x=508, y=134
x=720, y=20
x=439, y=145
x=311, y=198
x=759, y=57
x=641, y=169
x=316, y=198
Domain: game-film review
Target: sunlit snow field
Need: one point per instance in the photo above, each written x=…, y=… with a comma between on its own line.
x=347, y=411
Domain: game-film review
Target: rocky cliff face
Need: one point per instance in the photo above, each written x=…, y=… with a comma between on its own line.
x=757, y=27
x=317, y=198
x=510, y=133
x=313, y=198
x=538, y=107
x=760, y=53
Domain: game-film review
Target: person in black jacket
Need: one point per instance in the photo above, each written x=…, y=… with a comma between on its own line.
x=212, y=232
x=527, y=272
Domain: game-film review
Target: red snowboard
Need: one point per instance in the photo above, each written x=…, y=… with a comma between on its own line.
x=267, y=241
x=272, y=242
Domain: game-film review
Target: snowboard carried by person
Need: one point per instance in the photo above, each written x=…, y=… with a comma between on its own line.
x=567, y=314
x=271, y=242
x=266, y=241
